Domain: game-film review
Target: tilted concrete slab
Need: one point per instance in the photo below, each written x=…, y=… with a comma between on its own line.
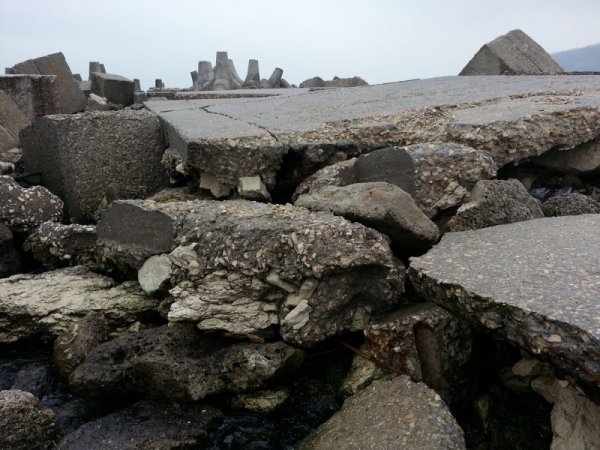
x=535, y=283
x=541, y=112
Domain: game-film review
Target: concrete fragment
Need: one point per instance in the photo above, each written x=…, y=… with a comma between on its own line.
x=155, y=273
x=12, y=121
x=70, y=96
x=253, y=188
x=362, y=373
x=518, y=282
x=394, y=414
x=583, y=159
x=570, y=205
x=50, y=303
x=216, y=188
x=115, y=88
x=24, y=209
x=97, y=103
x=86, y=158
x=495, y=202
x=514, y=53
x=178, y=364
x=274, y=81
x=381, y=206
x=35, y=95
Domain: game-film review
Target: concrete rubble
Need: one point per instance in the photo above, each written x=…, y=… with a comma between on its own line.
x=115, y=88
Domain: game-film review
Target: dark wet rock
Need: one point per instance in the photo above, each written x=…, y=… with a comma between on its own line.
x=12, y=121
x=382, y=206
x=24, y=209
x=35, y=95
x=583, y=159
x=427, y=343
x=57, y=245
x=87, y=159
x=146, y=425
x=115, y=89
x=387, y=415
x=570, y=205
x=514, y=53
x=50, y=303
x=518, y=282
x=176, y=363
x=71, y=348
x=33, y=378
x=25, y=423
x=495, y=202
x=9, y=258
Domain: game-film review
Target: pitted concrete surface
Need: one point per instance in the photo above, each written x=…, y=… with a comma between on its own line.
x=537, y=283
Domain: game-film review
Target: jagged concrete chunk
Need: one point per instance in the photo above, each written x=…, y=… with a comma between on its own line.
x=115, y=88
x=35, y=95
x=253, y=188
x=24, y=209
x=12, y=121
x=57, y=245
x=381, y=206
x=50, y=303
x=91, y=157
x=394, y=414
x=70, y=96
x=570, y=205
x=26, y=423
x=518, y=281
x=514, y=53
x=176, y=363
x=495, y=202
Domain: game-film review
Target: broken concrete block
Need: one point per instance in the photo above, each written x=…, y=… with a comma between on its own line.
x=12, y=121
x=115, y=88
x=514, y=53
x=24, y=209
x=210, y=182
x=35, y=95
x=253, y=188
x=583, y=159
x=88, y=158
x=274, y=81
x=71, y=97
x=97, y=103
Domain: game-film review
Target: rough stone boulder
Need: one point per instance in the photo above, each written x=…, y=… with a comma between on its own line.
x=12, y=121
x=26, y=423
x=50, y=303
x=245, y=266
x=146, y=425
x=583, y=159
x=24, y=209
x=514, y=53
x=570, y=205
x=9, y=258
x=382, y=206
x=35, y=95
x=495, y=202
x=178, y=364
x=533, y=283
x=115, y=88
x=89, y=158
x=71, y=98
x=57, y=245
x=394, y=414
x=437, y=175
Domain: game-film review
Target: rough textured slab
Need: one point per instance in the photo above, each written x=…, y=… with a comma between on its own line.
x=115, y=88
x=540, y=113
x=35, y=95
x=536, y=283
x=12, y=121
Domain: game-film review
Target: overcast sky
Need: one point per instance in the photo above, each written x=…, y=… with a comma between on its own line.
x=379, y=40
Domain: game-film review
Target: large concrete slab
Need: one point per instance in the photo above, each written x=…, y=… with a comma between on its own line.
x=12, y=121
x=535, y=283
x=512, y=117
x=35, y=95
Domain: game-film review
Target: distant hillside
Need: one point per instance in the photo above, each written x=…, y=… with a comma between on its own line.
x=579, y=59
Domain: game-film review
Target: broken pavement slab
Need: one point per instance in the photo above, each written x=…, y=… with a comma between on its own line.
x=535, y=283
x=514, y=117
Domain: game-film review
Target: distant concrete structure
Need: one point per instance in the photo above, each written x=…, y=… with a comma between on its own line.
x=514, y=53
x=115, y=88
x=158, y=84
x=253, y=76
x=95, y=66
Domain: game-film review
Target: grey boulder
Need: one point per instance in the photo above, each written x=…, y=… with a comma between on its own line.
x=570, y=205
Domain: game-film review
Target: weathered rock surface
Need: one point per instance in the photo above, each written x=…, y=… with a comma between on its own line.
x=57, y=245
x=176, y=363
x=91, y=157
x=583, y=159
x=25, y=423
x=514, y=53
x=394, y=414
x=50, y=303
x=9, y=258
x=145, y=425
x=115, y=88
x=495, y=202
x=71, y=98
x=381, y=206
x=570, y=205
x=97, y=103
x=24, y=209
x=510, y=118
x=12, y=121
x=437, y=175
x=35, y=95
x=428, y=344
x=534, y=283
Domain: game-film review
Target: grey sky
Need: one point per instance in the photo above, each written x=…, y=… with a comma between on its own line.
x=379, y=40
